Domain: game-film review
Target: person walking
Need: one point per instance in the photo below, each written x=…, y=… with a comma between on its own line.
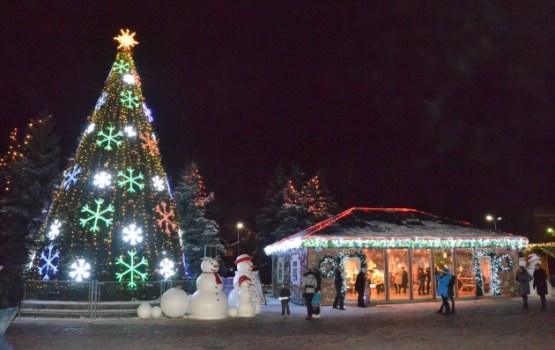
x=540, y=283
x=360, y=286
x=12, y=291
x=523, y=278
x=309, y=286
x=443, y=279
x=338, y=302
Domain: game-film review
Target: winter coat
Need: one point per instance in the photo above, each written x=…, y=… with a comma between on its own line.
x=338, y=280
x=285, y=295
x=360, y=283
x=421, y=276
x=405, y=279
x=523, y=279
x=540, y=281
x=398, y=278
x=443, y=285
x=309, y=284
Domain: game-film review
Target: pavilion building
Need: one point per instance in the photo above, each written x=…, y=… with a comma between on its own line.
x=389, y=242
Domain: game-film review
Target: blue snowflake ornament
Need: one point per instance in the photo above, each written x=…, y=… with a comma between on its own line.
x=70, y=176
x=49, y=259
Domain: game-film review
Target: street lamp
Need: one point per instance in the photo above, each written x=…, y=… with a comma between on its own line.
x=494, y=220
x=549, y=232
x=239, y=227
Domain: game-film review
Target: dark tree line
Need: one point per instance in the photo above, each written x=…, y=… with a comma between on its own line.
x=28, y=179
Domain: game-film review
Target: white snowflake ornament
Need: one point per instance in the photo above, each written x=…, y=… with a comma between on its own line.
x=158, y=183
x=167, y=268
x=80, y=270
x=54, y=229
x=130, y=131
x=90, y=128
x=129, y=79
x=102, y=179
x=132, y=234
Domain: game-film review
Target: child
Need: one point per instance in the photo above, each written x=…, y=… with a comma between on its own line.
x=316, y=305
x=284, y=297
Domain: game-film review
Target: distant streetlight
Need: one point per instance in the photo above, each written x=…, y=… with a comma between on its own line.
x=494, y=220
x=549, y=232
x=239, y=227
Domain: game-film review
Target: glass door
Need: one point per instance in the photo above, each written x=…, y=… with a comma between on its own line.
x=485, y=269
x=352, y=268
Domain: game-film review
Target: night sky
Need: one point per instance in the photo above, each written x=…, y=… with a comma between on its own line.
x=446, y=109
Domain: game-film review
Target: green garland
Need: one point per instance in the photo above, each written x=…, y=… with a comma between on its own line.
x=327, y=260
x=342, y=256
x=496, y=267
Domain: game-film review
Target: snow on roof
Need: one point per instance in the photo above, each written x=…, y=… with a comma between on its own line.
x=394, y=228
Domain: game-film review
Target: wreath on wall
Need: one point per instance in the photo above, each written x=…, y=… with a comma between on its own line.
x=505, y=263
x=327, y=266
x=499, y=263
x=342, y=256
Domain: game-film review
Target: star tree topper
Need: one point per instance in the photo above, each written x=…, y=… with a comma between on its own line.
x=126, y=39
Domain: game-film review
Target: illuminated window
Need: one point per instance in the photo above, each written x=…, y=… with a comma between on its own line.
x=280, y=270
x=295, y=270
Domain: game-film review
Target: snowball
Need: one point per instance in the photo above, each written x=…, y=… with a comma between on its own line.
x=232, y=312
x=144, y=310
x=174, y=302
x=156, y=312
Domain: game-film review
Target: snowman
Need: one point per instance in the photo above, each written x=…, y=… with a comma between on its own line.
x=246, y=306
x=209, y=301
x=244, y=268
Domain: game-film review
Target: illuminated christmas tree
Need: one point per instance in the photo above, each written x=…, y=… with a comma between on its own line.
x=317, y=200
x=113, y=217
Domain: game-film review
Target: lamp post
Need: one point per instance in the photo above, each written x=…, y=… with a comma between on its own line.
x=549, y=232
x=494, y=220
x=239, y=227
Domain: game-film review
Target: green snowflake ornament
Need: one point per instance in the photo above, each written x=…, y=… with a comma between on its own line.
x=97, y=215
x=130, y=180
x=109, y=137
x=121, y=66
x=129, y=100
x=131, y=269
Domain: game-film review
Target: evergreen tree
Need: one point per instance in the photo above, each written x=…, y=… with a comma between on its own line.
x=191, y=199
x=289, y=210
x=266, y=220
x=29, y=173
x=292, y=216
x=112, y=217
x=317, y=199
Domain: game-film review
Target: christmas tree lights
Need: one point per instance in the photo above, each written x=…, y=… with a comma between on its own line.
x=113, y=196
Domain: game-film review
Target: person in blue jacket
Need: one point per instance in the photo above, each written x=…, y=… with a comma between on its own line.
x=443, y=279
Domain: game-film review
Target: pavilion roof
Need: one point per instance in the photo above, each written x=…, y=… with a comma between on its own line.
x=394, y=228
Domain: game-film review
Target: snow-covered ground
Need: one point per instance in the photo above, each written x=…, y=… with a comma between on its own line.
x=477, y=324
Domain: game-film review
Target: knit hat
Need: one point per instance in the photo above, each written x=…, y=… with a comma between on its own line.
x=241, y=258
